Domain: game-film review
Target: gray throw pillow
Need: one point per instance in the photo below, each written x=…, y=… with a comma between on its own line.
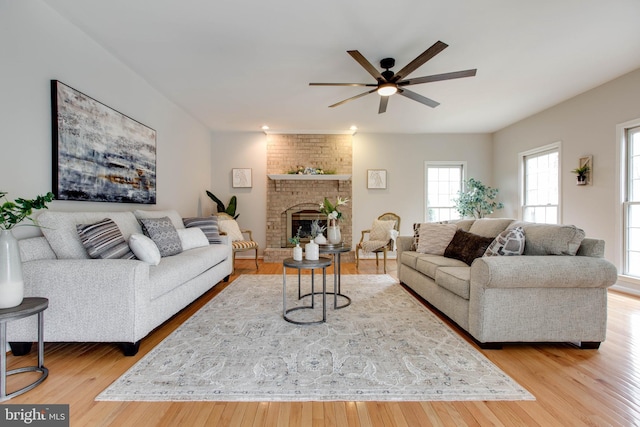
x=104, y=240
x=209, y=226
x=164, y=235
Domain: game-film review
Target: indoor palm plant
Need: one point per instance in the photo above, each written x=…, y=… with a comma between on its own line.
x=11, y=215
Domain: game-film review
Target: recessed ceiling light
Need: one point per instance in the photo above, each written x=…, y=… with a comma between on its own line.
x=353, y=128
x=265, y=127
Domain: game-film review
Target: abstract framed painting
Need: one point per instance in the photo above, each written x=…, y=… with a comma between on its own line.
x=99, y=154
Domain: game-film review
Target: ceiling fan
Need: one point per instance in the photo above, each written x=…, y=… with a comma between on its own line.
x=389, y=83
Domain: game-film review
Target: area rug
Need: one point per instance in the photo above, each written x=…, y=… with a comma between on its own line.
x=385, y=346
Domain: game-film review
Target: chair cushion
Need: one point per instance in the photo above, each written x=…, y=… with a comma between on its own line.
x=467, y=246
x=231, y=228
x=381, y=230
x=163, y=234
x=104, y=240
x=244, y=244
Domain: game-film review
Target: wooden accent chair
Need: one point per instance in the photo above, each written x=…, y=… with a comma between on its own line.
x=389, y=216
x=238, y=241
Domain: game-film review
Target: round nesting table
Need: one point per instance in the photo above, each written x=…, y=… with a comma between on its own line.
x=336, y=251
x=322, y=263
x=28, y=307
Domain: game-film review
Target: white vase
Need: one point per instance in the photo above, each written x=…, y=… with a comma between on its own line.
x=333, y=234
x=297, y=253
x=320, y=239
x=312, y=251
x=11, y=282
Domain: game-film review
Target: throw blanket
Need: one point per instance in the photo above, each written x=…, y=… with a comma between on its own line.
x=372, y=245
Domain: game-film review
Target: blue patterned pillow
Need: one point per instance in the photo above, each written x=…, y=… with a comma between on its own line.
x=164, y=235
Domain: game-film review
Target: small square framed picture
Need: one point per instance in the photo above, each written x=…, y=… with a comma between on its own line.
x=241, y=177
x=377, y=178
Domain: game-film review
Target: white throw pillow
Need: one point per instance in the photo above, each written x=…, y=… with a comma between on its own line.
x=144, y=249
x=192, y=238
x=381, y=230
x=434, y=238
x=231, y=228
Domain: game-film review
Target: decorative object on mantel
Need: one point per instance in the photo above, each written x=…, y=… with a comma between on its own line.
x=333, y=215
x=241, y=178
x=476, y=200
x=297, y=250
x=99, y=154
x=229, y=210
x=583, y=171
x=377, y=179
x=12, y=214
x=307, y=170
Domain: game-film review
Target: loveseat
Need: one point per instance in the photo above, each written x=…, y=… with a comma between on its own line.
x=555, y=291
x=113, y=300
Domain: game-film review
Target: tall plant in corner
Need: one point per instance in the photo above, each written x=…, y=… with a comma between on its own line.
x=477, y=199
x=229, y=210
x=11, y=215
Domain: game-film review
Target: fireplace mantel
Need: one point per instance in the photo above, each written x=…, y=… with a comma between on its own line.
x=302, y=177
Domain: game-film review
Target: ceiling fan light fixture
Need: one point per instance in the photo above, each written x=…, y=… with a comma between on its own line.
x=387, y=89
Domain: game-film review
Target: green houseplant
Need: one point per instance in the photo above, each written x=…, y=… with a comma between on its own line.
x=581, y=173
x=11, y=215
x=477, y=199
x=229, y=210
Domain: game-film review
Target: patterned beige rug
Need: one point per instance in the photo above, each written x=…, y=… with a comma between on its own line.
x=385, y=346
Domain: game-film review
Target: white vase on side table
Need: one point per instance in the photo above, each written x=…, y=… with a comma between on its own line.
x=11, y=281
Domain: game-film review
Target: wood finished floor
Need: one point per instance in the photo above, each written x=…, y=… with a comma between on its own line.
x=572, y=387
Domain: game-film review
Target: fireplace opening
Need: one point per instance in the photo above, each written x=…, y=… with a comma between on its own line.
x=302, y=219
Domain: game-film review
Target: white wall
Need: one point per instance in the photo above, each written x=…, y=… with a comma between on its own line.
x=586, y=125
x=402, y=155
x=38, y=45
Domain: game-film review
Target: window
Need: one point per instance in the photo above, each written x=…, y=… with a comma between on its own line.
x=540, y=185
x=631, y=262
x=443, y=182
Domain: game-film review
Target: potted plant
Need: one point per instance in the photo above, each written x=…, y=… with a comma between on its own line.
x=476, y=200
x=229, y=210
x=11, y=215
x=581, y=173
x=297, y=250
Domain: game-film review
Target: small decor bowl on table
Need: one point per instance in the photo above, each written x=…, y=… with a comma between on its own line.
x=11, y=215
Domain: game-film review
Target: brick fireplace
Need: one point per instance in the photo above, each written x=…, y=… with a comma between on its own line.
x=304, y=193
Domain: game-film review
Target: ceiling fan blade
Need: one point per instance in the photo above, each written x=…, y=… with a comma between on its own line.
x=366, y=64
x=421, y=59
x=352, y=98
x=417, y=97
x=438, y=77
x=384, y=100
x=343, y=84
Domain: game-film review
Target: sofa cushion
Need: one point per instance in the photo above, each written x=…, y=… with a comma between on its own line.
x=455, y=279
x=509, y=242
x=173, y=215
x=103, y=240
x=174, y=271
x=467, y=246
x=163, y=234
x=550, y=239
x=191, y=238
x=208, y=225
x=60, y=229
x=434, y=237
x=145, y=249
x=489, y=227
x=429, y=264
x=409, y=258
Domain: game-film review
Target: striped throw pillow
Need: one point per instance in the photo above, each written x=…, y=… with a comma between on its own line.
x=103, y=240
x=209, y=226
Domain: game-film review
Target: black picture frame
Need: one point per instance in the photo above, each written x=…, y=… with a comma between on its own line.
x=99, y=154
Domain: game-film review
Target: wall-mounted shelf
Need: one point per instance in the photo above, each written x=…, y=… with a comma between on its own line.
x=279, y=178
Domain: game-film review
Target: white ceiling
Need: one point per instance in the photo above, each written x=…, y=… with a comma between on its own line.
x=238, y=64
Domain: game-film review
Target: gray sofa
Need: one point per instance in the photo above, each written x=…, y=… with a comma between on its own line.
x=536, y=297
x=109, y=300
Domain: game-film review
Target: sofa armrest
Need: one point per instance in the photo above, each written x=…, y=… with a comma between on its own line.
x=89, y=300
x=551, y=271
x=403, y=243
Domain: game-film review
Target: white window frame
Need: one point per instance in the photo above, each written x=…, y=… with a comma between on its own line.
x=444, y=163
x=555, y=146
x=631, y=284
